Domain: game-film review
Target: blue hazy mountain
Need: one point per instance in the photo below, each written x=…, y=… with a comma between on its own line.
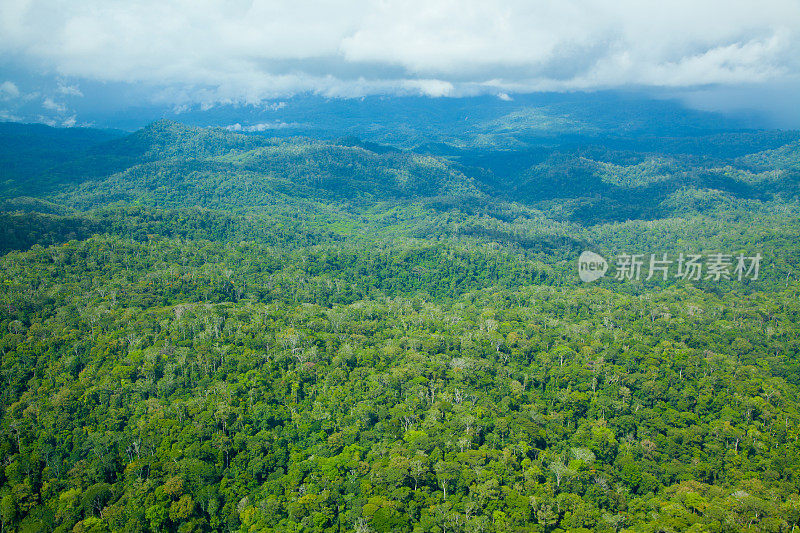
x=414, y=121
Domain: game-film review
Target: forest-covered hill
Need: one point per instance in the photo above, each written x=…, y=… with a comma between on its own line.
x=209, y=331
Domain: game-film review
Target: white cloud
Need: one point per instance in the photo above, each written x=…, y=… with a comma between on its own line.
x=8, y=90
x=430, y=87
x=244, y=51
x=49, y=121
x=51, y=105
x=261, y=126
x=68, y=90
x=8, y=116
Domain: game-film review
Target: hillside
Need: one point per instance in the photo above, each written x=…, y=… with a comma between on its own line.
x=203, y=331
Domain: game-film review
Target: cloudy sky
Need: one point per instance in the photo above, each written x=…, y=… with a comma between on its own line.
x=59, y=54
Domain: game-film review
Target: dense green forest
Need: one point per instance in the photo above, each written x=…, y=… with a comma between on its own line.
x=208, y=331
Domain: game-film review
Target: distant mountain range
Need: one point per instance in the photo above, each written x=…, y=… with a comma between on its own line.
x=591, y=178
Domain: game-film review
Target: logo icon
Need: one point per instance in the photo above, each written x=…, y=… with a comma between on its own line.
x=591, y=266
